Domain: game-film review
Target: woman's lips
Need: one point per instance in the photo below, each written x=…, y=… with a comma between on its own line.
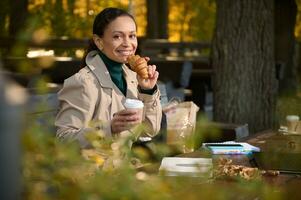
x=125, y=52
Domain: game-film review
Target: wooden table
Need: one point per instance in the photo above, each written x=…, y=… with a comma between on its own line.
x=285, y=146
x=285, y=184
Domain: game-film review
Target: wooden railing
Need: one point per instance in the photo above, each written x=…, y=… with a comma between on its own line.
x=168, y=56
x=154, y=48
x=47, y=43
x=182, y=50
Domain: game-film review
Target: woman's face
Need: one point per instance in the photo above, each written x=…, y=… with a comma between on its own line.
x=119, y=39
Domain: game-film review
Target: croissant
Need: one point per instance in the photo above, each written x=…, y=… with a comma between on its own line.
x=139, y=65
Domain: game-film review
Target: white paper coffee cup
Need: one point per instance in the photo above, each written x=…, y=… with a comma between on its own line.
x=292, y=122
x=136, y=105
x=133, y=103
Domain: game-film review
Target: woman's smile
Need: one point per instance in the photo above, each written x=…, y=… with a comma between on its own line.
x=125, y=52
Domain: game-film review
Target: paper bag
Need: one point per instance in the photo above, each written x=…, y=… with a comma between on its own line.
x=181, y=119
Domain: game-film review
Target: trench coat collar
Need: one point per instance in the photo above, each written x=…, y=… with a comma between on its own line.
x=97, y=66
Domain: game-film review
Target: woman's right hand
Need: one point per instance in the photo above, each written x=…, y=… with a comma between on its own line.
x=124, y=120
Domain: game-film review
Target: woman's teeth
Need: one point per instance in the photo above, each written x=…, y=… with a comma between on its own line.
x=125, y=53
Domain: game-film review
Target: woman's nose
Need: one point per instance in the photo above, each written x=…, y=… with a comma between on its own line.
x=126, y=41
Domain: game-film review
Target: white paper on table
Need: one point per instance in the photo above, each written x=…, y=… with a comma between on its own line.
x=174, y=166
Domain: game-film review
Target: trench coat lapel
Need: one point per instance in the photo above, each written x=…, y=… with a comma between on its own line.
x=99, y=69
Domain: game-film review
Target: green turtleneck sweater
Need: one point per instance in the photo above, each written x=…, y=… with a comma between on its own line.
x=116, y=73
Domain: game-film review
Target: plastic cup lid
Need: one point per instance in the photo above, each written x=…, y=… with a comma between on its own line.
x=133, y=103
x=292, y=118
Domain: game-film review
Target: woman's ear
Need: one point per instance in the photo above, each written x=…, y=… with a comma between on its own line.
x=98, y=41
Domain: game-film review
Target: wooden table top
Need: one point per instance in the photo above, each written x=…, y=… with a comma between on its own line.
x=288, y=184
x=285, y=146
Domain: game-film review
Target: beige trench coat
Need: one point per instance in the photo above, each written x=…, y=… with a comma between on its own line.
x=90, y=95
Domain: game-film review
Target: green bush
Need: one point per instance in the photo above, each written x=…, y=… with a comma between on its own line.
x=112, y=170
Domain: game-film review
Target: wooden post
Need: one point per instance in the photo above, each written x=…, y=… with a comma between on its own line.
x=10, y=127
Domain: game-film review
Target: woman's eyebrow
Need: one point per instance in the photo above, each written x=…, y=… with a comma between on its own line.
x=122, y=32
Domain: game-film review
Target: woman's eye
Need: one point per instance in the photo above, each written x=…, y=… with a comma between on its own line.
x=116, y=36
x=133, y=36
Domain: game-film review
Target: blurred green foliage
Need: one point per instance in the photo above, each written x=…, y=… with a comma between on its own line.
x=53, y=169
x=57, y=170
x=74, y=18
x=68, y=18
x=191, y=20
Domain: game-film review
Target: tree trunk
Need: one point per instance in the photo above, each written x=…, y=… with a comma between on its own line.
x=3, y=14
x=163, y=19
x=157, y=19
x=285, y=20
x=57, y=23
x=244, y=82
x=71, y=5
x=18, y=16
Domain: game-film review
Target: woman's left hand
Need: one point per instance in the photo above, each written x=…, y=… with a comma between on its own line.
x=148, y=84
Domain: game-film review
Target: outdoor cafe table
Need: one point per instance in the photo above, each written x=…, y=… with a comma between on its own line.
x=267, y=140
x=288, y=182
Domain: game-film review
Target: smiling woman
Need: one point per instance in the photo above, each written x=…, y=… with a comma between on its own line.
x=98, y=91
x=119, y=39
